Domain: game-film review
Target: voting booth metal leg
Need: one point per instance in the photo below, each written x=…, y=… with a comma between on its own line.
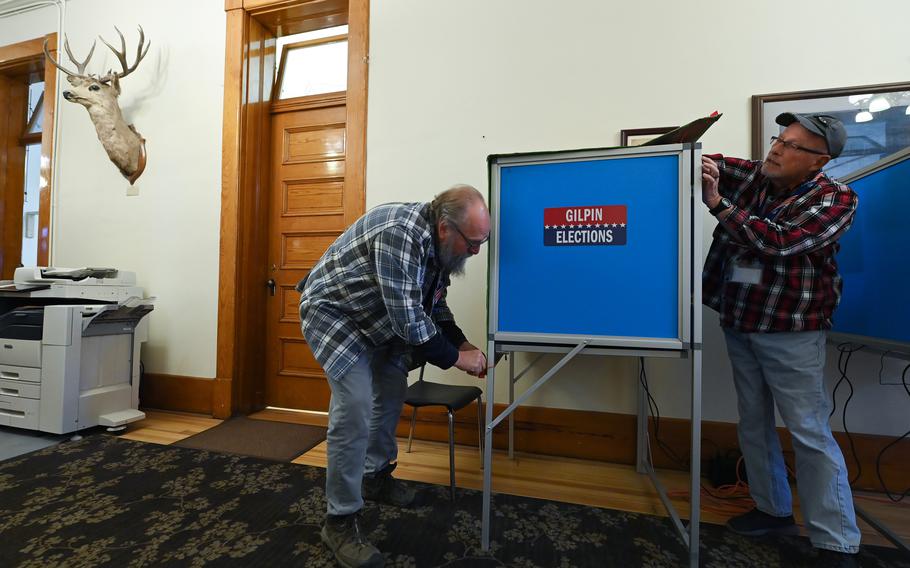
x=695, y=460
x=689, y=535
x=882, y=529
x=488, y=453
x=511, y=400
x=491, y=424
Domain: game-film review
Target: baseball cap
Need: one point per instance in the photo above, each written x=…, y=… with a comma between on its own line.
x=828, y=127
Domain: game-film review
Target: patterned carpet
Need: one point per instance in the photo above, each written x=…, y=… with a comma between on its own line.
x=103, y=501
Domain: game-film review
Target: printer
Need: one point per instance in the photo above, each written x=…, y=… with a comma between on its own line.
x=69, y=348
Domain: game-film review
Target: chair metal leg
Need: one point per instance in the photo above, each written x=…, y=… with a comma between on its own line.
x=451, y=455
x=480, y=428
x=411, y=433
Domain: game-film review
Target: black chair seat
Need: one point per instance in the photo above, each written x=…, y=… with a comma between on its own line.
x=453, y=397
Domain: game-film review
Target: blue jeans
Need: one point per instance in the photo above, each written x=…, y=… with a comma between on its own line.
x=363, y=415
x=788, y=369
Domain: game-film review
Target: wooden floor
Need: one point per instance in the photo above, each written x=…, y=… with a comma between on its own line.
x=579, y=481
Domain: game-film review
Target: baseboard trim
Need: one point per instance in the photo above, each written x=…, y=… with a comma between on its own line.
x=175, y=392
x=601, y=436
x=610, y=437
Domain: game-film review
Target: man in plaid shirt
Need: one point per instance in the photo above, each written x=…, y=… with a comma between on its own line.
x=372, y=308
x=771, y=275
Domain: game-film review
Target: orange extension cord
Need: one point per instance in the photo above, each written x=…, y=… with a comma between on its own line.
x=733, y=499
x=727, y=500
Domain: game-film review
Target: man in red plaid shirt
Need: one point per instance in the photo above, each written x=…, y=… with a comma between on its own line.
x=772, y=276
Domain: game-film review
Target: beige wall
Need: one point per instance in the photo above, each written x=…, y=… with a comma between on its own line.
x=166, y=228
x=450, y=83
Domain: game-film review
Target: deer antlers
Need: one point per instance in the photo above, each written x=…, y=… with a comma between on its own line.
x=120, y=54
x=80, y=66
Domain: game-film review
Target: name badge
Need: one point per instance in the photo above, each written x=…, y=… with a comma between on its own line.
x=746, y=273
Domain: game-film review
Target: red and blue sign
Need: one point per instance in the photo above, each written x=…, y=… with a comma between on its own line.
x=588, y=225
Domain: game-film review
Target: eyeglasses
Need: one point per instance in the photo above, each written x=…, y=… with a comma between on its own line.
x=472, y=244
x=792, y=146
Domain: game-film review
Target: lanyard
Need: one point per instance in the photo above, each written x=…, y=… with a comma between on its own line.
x=800, y=190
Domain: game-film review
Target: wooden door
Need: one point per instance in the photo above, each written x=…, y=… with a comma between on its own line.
x=13, y=98
x=307, y=213
x=21, y=64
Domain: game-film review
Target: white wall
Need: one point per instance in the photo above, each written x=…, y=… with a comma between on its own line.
x=166, y=228
x=29, y=25
x=452, y=82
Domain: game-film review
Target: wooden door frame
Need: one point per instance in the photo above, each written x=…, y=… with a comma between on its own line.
x=244, y=195
x=20, y=59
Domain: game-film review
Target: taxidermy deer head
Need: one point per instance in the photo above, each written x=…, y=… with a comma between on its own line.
x=98, y=94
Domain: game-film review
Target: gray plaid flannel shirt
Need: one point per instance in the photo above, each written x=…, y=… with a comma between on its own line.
x=370, y=287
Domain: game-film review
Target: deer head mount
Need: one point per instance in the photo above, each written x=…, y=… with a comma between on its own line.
x=98, y=94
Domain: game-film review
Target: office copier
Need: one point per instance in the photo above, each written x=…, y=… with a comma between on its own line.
x=69, y=348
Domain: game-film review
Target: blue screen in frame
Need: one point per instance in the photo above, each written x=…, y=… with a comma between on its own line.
x=628, y=290
x=873, y=259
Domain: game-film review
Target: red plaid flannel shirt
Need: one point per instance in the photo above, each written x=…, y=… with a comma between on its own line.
x=793, y=238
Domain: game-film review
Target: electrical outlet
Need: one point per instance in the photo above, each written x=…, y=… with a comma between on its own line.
x=890, y=370
x=132, y=190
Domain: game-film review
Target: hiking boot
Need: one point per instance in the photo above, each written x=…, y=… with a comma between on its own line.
x=757, y=523
x=341, y=534
x=834, y=559
x=383, y=488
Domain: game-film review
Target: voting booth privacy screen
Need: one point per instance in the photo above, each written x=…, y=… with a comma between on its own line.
x=592, y=244
x=874, y=306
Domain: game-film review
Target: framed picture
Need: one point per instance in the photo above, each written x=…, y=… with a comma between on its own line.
x=876, y=117
x=638, y=136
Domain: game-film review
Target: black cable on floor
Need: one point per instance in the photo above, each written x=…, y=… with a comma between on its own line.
x=843, y=360
x=655, y=413
x=878, y=459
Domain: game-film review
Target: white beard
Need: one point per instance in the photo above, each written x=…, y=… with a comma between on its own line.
x=451, y=262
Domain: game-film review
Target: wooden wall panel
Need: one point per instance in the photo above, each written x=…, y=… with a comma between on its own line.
x=610, y=437
x=13, y=109
x=297, y=359
x=286, y=17
x=290, y=300
x=228, y=277
x=313, y=197
x=356, y=119
x=174, y=392
x=314, y=143
x=245, y=142
x=302, y=250
x=18, y=63
x=301, y=392
x=324, y=179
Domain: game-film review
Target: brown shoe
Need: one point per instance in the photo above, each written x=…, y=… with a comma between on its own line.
x=342, y=535
x=834, y=559
x=381, y=487
x=759, y=523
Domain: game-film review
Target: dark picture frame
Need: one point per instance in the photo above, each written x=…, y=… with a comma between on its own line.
x=638, y=136
x=823, y=100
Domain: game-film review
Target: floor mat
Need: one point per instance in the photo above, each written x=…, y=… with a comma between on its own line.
x=277, y=441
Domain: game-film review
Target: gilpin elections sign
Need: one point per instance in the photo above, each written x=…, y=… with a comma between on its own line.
x=584, y=226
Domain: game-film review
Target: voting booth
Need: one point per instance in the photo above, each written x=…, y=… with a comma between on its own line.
x=872, y=309
x=873, y=312
x=597, y=252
